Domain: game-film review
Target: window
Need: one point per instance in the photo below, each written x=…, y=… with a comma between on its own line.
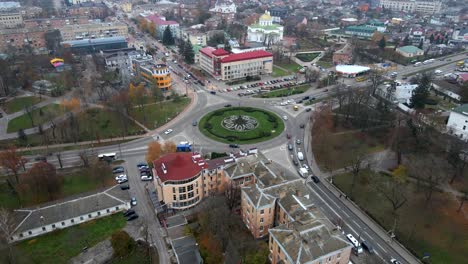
x=190, y=195
x=63, y=223
x=464, y=127
x=262, y=211
x=182, y=189
x=269, y=210
x=190, y=187
x=21, y=235
x=73, y=220
x=30, y=232
x=89, y=216
x=108, y=210
x=182, y=196
x=53, y=226
x=261, y=220
x=117, y=208
x=261, y=228
x=81, y=218
x=174, y=197
x=173, y=189
x=43, y=229
x=98, y=213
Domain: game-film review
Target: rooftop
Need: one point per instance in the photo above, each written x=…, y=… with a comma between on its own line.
x=186, y=250
x=97, y=41
x=70, y=208
x=462, y=109
x=247, y=56
x=267, y=27
x=258, y=197
x=361, y=29
x=159, y=21
x=208, y=51
x=410, y=49
x=220, y=52
x=179, y=166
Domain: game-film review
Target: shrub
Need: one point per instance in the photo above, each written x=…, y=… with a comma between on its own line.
x=207, y=125
x=122, y=243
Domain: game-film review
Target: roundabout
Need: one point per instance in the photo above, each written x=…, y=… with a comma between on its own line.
x=241, y=125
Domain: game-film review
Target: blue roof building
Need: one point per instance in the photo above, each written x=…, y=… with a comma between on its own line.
x=95, y=45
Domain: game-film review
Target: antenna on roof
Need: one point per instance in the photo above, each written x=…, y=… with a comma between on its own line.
x=163, y=167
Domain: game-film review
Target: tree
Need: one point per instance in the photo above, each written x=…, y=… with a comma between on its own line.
x=11, y=160
x=233, y=195
x=154, y=152
x=53, y=39
x=457, y=158
x=71, y=105
x=29, y=110
x=83, y=154
x=100, y=171
x=382, y=43
x=181, y=46
x=152, y=29
x=7, y=228
x=122, y=243
x=421, y=93
x=168, y=39
x=189, y=54
x=42, y=182
x=169, y=147
x=357, y=160
x=421, y=44
x=463, y=199
x=22, y=136
x=431, y=38
x=227, y=47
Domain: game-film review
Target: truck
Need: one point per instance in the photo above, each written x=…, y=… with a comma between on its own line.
x=184, y=148
x=303, y=172
x=300, y=156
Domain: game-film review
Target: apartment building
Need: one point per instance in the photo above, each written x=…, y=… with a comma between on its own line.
x=19, y=38
x=195, y=37
x=161, y=24
x=223, y=65
x=258, y=211
x=413, y=6
x=457, y=123
x=10, y=19
x=93, y=30
x=151, y=71
x=360, y=31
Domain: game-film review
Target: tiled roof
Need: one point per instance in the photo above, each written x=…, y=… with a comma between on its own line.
x=220, y=52
x=208, y=51
x=179, y=166
x=159, y=21
x=247, y=56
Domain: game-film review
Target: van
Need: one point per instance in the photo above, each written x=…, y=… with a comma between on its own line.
x=300, y=156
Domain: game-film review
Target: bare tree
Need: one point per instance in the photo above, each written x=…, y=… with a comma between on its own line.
x=29, y=110
x=457, y=158
x=84, y=158
x=7, y=227
x=59, y=159
x=463, y=199
x=357, y=161
x=233, y=195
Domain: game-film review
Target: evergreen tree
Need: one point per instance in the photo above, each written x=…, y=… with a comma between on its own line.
x=227, y=47
x=181, y=46
x=406, y=41
x=421, y=93
x=382, y=43
x=189, y=54
x=421, y=44
x=168, y=39
x=431, y=38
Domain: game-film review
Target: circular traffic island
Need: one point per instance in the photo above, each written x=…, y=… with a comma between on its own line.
x=241, y=125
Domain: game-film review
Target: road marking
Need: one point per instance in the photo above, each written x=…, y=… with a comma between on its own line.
x=368, y=235
x=331, y=200
x=381, y=248
x=356, y=223
x=323, y=200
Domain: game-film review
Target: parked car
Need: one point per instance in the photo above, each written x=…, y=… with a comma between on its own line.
x=308, y=109
x=305, y=166
x=133, y=201
x=302, y=126
x=124, y=186
x=367, y=246
x=285, y=117
x=212, y=92
x=315, y=179
x=132, y=217
x=227, y=105
x=167, y=132
x=121, y=176
x=288, y=136
x=233, y=145
x=295, y=162
x=298, y=141
x=290, y=146
x=394, y=261
x=146, y=178
x=142, y=166
x=41, y=158
x=118, y=169
x=128, y=212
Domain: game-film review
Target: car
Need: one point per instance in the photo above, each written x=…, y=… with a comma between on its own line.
x=326, y=90
x=449, y=59
x=394, y=261
x=167, y=132
x=213, y=92
x=298, y=141
x=194, y=123
x=123, y=180
x=142, y=165
x=233, y=145
x=288, y=136
x=146, y=172
x=129, y=212
x=302, y=126
x=146, y=178
x=295, y=162
x=308, y=109
x=367, y=246
x=121, y=176
x=290, y=146
x=285, y=117
x=124, y=186
x=315, y=179
x=227, y=105
x=305, y=166
x=41, y=158
x=133, y=201
x=132, y=217
x=118, y=169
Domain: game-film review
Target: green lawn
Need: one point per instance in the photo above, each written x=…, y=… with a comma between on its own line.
x=324, y=64
x=75, y=182
x=292, y=67
x=19, y=103
x=269, y=126
x=137, y=256
x=39, y=117
x=285, y=92
x=307, y=57
x=277, y=72
x=99, y=123
x=438, y=229
x=60, y=246
x=159, y=114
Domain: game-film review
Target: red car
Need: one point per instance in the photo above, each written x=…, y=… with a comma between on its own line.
x=288, y=136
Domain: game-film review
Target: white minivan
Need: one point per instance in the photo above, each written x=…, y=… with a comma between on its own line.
x=300, y=156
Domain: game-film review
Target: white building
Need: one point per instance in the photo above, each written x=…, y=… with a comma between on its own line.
x=265, y=31
x=416, y=6
x=458, y=122
x=404, y=92
x=62, y=214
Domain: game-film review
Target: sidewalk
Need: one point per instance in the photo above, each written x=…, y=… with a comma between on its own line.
x=352, y=206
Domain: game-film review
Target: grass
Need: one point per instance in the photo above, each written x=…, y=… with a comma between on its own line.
x=436, y=229
x=136, y=256
x=285, y=92
x=75, y=182
x=60, y=246
x=264, y=131
x=290, y=66
x=324, y=64
x=307, y=57
x=19, y=103
x=159, y=114
x=277, y=72
x=39, y=116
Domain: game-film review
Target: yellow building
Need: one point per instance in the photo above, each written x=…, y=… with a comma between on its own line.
x=154, y=72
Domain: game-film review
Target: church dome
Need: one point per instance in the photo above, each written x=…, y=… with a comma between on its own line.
x=265, y=17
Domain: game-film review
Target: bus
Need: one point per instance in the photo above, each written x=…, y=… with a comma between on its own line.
x=107, y=156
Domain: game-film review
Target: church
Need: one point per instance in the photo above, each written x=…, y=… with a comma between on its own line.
x=265, y=31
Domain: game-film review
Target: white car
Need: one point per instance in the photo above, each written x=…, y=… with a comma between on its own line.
x=121, y=176
x=146, y=178
x=133, y=201
x=285, y=117
x=167, y=132
x=305, y=166
x=394, y=261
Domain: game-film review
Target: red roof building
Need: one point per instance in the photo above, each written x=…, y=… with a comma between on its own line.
x=178, y=166
x=161, y=24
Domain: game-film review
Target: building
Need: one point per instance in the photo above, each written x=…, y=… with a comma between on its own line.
x=278, y=13
x=265, y=31
x=123, y=57
x=460, y=35
x=379, y=25
x=11, y=19
x=286, y=212
x=7, y=6
x=413, y=6
x=127, y=7
x=95, y=45
x=77, y=2
x=195, y=36
x=226, y=11
x=93, y=31
x=343, y=55
x=61, y=214
x=151, y=72
x=161, y=24
x=410, y=51
x=360, y=31
x=457, y=123
x=223, y=65
x=16, y=40
x=89, y=9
